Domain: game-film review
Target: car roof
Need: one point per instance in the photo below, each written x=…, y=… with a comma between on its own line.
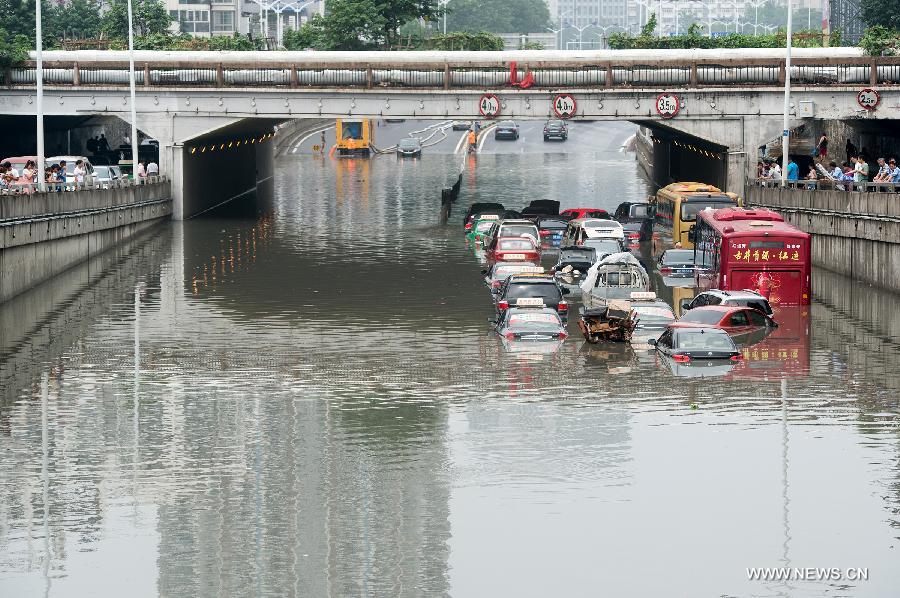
x=539, y=308
x=706, y=328
x=533, y=278
x=743, y=294
x=516, y=221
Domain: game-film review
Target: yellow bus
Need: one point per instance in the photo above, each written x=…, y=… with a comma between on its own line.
x=355, y=136
x=677, y=204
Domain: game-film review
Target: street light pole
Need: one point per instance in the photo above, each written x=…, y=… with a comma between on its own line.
x=39, y=103
x=785, y=134
x=134, y=131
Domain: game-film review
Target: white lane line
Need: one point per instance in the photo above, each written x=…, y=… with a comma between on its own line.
x=484, y=136
x=459, y=144
x=302, y=141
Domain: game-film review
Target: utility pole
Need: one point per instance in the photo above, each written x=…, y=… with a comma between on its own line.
x=785, y=134
x=134, y=130
x=39, y=103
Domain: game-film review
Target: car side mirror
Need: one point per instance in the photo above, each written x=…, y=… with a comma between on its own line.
x=685, y=304
x=652, y=341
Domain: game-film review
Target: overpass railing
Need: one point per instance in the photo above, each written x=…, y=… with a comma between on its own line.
x=705, y=71
x=31, y=188
x=829, y=185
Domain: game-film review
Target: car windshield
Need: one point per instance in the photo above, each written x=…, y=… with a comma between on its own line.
x=678, y=256
x=759, y=304
x=102, y=171
x=507, y=124
x=702, y=316
x=653, y=314
x=553, y=224
x=707, y=340
x=640, y=211
x=518, y=230
x=554, y=123
x=409, y=143
x=689, y=209
x=603, y=246
x=534, y=320
x=504, y=270
x=545, y=290
x=513, y=244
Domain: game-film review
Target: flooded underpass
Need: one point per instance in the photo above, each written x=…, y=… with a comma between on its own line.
x=308, y=400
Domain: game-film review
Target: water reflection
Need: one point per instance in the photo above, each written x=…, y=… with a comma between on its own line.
x=309, y=402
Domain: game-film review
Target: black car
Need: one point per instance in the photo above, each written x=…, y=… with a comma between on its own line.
x=604, y=246
x=637, y=231
x=461, y=125
x=506, y=129
x=685, y=344
x=633, y=210
x=676, y=263
x=409, y=147
x=556, y=129
x=551, y=229
x=483, y=208
x=541, y=207
x=532, y=291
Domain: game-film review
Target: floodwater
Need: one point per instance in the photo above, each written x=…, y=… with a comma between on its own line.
x=308, y=401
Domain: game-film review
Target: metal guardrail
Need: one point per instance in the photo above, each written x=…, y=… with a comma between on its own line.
x=630, y=70
x=829, y=185
x=32, y=188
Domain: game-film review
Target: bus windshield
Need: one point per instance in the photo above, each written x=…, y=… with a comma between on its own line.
x=689, y=209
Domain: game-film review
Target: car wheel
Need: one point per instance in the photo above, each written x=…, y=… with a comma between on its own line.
x=546, y=138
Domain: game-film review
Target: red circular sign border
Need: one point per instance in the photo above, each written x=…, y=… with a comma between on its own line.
x=677, y=105
x=499, y=105
x=864, y=90
x=574, y=105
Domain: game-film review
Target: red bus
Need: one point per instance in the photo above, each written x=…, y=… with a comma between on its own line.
x=737, y=249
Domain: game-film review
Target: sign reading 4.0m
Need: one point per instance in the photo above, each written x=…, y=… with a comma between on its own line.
x=667, y=105
x=489, y=105
x=564, y=105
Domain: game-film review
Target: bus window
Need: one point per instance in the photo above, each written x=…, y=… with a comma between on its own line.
x=689, y=209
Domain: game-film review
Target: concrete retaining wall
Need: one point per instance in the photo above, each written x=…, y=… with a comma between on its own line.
x=37, y=243
x=854, y=234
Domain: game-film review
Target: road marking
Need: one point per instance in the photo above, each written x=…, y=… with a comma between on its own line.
x=302, y=141
x=484, y=135
x=459, y=144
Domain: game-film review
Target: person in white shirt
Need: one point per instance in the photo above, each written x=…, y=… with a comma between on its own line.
x=152, y=168
x=775, y=172
x=78, y=173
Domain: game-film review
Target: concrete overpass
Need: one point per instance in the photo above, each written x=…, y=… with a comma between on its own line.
x=191, y=100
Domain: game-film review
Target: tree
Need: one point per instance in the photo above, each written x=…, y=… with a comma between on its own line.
x=150, y=17
x=498, y=16
x=880, y=12
x=78, y=18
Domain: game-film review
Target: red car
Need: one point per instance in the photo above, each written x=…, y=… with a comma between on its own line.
x=739, y=322
x=514, y=249
x=573, y=213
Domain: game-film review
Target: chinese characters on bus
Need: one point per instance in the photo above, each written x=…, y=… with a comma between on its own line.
x=789, y=253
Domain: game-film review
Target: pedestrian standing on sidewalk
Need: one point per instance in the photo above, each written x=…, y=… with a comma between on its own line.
x=141, y=171
x=895, y=171
x=152, y=168
x=79, y=173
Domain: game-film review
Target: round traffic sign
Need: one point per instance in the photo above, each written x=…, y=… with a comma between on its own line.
x=564, y=105
x=868, y=98
x=667, y=105
x=489, y=105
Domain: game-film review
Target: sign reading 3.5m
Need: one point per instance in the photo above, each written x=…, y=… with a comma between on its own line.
x=489, y=105
x=667, y=105
x=564, y=105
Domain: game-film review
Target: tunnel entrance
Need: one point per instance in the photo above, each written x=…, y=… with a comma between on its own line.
x=671, y=156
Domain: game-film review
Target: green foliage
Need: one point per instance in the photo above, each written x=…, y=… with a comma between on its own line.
x=150, y=17
x=77, y=19
x=884, y=13
x=498, y=16
x=531, y=46
x=694, y=39
x=880, y=41
x=13, y=48
x=309, y=36
x=461, y=40
x=649, y=27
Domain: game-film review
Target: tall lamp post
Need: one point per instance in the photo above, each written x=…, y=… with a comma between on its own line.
x=134, y=131
x=39, y=103
x=785, y=134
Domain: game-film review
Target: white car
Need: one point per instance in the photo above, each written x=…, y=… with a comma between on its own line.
x=603, y=229
x=104, y=175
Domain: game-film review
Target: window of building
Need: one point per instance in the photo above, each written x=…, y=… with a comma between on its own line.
x=223, y=20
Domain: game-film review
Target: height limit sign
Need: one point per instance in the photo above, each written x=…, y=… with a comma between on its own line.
x=489, y=105
x=667, y=105
x=564, y=105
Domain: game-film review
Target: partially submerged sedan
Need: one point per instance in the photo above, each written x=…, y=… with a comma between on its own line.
x=496, y=275
x=744, y=324
x=531, y=324
x=410, y=147
x=532, y=290
x=514, y=249
x=689, y=343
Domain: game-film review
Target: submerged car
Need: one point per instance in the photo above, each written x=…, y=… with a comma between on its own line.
x=531, y=324
x=742, y=323
x=481, y=225
x=745, y=298
x=506, y=129
x=556, y=129
x=551, y=230
x=616, y=276
x=604, y=247
x=409, y=147
x=511, y=228
x=675, y=264
x=532, y=290
x=514, y=249
x=482, y=208
x=496, y=275
x=685, y=344
x=577, y=213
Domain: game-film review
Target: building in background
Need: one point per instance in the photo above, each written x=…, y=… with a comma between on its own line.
x=203, y=18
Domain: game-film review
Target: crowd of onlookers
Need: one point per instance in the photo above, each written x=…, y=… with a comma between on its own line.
x=59, y=175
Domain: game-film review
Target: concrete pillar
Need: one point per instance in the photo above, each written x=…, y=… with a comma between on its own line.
x=737, y=168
